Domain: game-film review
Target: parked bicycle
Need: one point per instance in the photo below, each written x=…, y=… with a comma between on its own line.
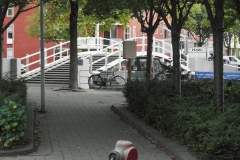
x=104, y=78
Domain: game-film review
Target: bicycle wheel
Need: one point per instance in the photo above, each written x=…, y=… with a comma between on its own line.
x=117, y=82
x=95, y=82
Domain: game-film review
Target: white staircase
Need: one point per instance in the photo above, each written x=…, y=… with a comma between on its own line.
x=100, y=57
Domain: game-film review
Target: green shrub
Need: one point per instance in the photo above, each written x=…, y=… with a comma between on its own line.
x=137, y=90
x=12, y=123
x=16, y=90
x=191, y=118
x=216, y=136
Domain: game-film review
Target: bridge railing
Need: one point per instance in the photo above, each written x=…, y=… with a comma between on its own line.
x=90, y=46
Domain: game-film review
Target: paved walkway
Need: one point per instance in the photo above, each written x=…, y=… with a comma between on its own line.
x=82, y=126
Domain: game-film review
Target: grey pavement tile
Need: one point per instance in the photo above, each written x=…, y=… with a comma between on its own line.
x=53, y=158
x=82, y=126
x=40, y=158
x=18, y=158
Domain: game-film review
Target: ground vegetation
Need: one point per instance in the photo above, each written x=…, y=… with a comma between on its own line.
x=190, y=119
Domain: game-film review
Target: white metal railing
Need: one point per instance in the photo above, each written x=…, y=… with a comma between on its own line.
x=90, y=47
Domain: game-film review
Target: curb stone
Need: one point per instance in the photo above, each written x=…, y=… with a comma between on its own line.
x=179, y=151
x=29, y=148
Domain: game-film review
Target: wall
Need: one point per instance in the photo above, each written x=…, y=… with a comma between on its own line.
x=6, y=68
x=22, y=43
x=12, y=68
x=200, y=64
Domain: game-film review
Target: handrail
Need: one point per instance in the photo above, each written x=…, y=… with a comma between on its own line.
x=88, y=43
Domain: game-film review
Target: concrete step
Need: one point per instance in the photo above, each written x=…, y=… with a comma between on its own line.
x=61, y=73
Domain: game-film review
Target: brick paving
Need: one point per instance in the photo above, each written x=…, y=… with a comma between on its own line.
x=82, y=126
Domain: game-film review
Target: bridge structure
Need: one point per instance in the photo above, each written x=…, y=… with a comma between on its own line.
x=102, y=53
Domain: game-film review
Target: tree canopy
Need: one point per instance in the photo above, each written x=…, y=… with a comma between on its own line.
x=57, y=24
x=237, y=4
x=198, y=24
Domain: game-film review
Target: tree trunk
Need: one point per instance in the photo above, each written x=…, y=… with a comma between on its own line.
x=1, y=43
x=200, y=43
x=149, y=54
x=218, y=29
x=73, y=45
x=229, y=46
x=1, y=55
x=176, y=59
x=216, y=21
x=218, y=68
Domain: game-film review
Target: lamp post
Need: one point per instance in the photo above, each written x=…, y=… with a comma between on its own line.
x=42, y=58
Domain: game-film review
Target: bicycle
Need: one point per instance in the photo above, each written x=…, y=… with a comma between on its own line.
x=96, y=81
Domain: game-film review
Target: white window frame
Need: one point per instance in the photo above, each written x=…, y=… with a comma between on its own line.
x=10, y=52
x=10, y=31
x=134, y=31
x=127, y=32
x=10, y=15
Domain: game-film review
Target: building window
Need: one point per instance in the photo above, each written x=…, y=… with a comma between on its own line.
x=113, y=32
x=10, y=53
x=10, y=34
x=134, y=31
x=156, y=46
x=161, y=27
x=127, y=33
x=10, y=12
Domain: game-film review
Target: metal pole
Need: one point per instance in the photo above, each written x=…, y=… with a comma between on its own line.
x=42, y=59
x=129, y=69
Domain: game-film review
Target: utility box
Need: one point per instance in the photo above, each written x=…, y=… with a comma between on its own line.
x=129, y=49
x=12, y=68
x=83, y=73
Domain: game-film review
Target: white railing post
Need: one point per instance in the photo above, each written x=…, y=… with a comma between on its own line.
x=163, y=48
x=88, y=45
x=54, y=54
x=154, y=46
x=27, y=62
x=90, y=59
x=119, y=55
x=101, y=44
x=97, y=43
x=45, y=55
x=106, y=61
x=60, y=50
x=172, y=56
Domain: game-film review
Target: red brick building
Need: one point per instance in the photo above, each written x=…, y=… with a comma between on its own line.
x=17, y=43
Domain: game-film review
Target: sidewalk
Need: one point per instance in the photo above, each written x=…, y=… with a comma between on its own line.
x=82, y=126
